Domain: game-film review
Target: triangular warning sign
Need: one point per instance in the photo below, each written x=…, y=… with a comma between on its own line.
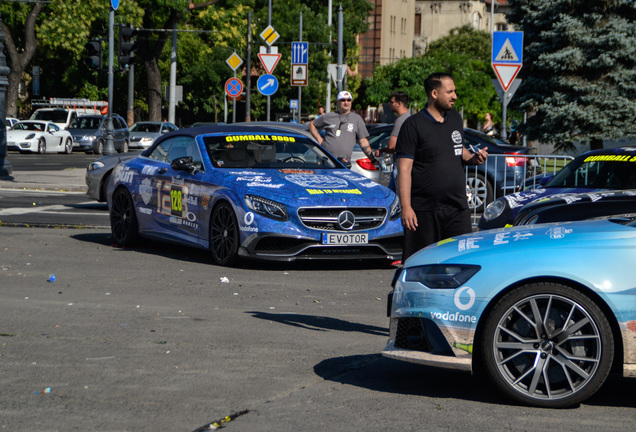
x=507, y=53
x=506, y=74
x=269, y=61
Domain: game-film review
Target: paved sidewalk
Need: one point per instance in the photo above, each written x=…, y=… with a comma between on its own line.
x=71, y=179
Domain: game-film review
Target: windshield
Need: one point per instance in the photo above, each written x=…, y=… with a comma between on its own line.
x=597, y=172
x=86, y=123
x=56, y=116
x=267, y=151
x=30, y=126
x=145, y=127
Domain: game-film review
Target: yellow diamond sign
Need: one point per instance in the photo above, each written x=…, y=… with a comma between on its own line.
x=234, y=61
x=270, y=35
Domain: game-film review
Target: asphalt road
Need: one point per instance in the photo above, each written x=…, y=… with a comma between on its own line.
x=158, y=339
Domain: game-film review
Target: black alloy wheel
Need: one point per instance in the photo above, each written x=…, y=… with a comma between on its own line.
x=123, y=220
x=224, y=235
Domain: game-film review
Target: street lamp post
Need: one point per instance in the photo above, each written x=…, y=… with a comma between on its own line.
x=5, y=166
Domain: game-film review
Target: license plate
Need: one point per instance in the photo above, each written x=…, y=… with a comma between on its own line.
x=345, y=238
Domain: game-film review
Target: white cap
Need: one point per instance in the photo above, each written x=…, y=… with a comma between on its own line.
x=344, y=95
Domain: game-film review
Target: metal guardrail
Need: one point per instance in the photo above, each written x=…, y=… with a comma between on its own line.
x=503, y=174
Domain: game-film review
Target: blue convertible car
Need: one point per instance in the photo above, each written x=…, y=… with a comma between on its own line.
x=258, y=192
x=547, y=333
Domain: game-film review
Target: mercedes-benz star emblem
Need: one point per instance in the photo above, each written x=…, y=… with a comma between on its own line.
x=346, y=220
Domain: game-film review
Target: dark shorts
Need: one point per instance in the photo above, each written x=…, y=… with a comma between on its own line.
x=436, y=225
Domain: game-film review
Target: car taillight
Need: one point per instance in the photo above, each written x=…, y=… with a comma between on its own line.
x=366, y=164
x=515, y=161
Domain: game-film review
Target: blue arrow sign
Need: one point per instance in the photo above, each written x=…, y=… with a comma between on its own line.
x=267, y=84
x=300, y=52
x=507, y=48
x=114, y=4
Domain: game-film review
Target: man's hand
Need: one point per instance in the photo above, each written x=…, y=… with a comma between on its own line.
x=409, y=220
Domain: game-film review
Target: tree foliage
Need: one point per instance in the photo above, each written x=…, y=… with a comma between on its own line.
x=465, y=53
x=579, y=69
x=214, y=30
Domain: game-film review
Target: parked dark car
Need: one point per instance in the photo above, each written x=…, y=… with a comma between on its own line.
x=89, y=133
x=501, y=174
x=594, y=173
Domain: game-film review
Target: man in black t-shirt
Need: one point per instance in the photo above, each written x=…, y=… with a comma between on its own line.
x=431, y=177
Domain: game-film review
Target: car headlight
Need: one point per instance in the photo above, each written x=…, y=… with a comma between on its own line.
x=146, y=140
x=266, y=207
x=94, y=165
x=90, y=137
x=29, y=136
x=396, y=209
x=441, y=275
x=494, y=209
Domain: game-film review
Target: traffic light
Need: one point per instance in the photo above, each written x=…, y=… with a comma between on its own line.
x=94, y=54
x=126, y=46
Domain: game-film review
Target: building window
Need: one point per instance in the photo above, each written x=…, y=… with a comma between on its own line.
x=476, y=21
x=501, y=27
x=418, y=24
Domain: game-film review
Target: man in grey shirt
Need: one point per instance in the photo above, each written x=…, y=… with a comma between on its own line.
x=342, y=129
x=399, y=103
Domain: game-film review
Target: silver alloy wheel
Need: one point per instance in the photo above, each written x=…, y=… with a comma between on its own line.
x=68, y=146
x=481, y=192
x=549, y=349
x=41, y=146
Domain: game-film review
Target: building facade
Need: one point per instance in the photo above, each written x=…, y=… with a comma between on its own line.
x=405, y=28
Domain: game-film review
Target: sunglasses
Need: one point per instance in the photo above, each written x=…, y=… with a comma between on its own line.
x=345, y=100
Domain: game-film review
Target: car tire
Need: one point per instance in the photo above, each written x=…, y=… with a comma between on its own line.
x=481, y=191
x=68, y=146
x=41, y=146
x=547, y=345
x=123, y=219
x=224, y=235
x=124, y=147
x=99, y=147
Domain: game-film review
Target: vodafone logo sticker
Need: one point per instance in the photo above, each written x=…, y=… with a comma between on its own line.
x=470, y=293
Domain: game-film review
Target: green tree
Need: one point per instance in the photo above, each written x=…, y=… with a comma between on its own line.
x=462, y=53
x=579, y=69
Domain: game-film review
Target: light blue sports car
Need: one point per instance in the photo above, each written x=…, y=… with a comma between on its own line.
x=250, y=191
x=547, y=331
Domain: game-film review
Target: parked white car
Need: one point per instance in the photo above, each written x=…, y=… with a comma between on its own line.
x=39, y=137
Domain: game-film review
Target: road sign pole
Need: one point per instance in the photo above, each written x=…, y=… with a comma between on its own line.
x=109, y=148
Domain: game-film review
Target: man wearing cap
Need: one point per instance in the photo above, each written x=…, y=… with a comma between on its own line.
x=342, y=129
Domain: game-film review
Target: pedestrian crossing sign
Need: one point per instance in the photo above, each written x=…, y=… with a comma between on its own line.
x=507, y=56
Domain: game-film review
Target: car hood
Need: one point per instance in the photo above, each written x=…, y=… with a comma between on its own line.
x=134, y=134
x=542, y=240
x=520, y=199
x=331, y=186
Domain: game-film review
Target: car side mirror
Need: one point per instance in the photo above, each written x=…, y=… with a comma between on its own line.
x=184, y=164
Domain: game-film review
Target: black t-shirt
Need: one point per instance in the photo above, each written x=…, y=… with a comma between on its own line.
x=438, y=177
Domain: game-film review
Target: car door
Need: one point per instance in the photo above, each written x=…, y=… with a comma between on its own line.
x=53, y=138
x=177, y=208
